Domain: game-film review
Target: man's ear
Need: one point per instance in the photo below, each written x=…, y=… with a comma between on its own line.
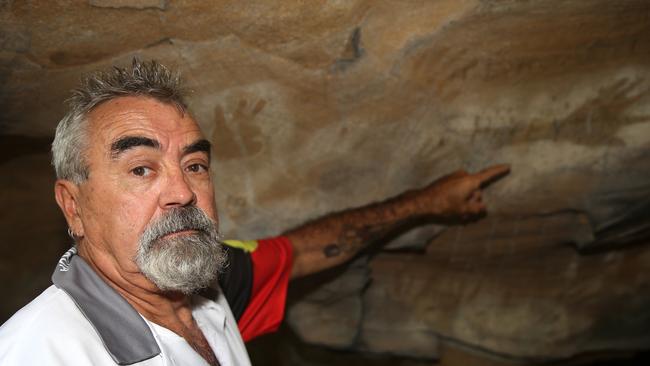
x=66, y=194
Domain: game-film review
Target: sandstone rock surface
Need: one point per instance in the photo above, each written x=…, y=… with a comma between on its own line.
x=314, y=108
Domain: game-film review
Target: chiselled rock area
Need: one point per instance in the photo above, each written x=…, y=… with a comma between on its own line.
x=315, y=107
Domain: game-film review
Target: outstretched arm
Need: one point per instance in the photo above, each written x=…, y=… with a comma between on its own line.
x=336, y=238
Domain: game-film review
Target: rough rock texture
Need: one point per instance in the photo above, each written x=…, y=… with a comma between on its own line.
x=317, y=107
x=135, y=4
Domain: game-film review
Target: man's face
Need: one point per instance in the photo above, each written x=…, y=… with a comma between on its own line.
x=146, y=160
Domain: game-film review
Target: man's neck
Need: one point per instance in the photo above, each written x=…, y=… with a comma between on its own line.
x=171, y=310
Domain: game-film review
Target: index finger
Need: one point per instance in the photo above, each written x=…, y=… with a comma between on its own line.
x=490, y=175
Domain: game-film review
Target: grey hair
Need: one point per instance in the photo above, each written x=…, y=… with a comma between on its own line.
x=183, y=263
x=148, y=79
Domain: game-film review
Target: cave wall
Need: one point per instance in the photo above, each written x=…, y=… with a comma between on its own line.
x=318, y=107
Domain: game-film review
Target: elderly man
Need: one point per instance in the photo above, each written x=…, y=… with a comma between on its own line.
x=149, y=281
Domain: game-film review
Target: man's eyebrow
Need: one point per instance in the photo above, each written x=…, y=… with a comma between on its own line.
x=198, y=145
x=129, y=142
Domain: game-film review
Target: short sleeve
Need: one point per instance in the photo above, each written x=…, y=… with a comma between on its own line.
x=271, y=267
x=236, y=280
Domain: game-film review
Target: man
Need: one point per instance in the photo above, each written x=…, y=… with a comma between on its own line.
x=149, y=281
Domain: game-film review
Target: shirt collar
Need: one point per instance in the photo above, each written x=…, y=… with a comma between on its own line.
x=125, y=335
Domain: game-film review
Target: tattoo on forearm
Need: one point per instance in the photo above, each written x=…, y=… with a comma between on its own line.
x=332, y=250
x=353, y=239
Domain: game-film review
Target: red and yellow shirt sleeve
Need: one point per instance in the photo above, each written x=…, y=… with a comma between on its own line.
x=270, y=263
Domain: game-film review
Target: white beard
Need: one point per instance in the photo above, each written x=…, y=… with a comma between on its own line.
x=181, y=263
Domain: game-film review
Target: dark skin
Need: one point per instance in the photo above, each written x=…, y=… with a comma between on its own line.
x=337, y=238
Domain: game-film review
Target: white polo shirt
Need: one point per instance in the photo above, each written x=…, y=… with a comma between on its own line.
x=80, y=320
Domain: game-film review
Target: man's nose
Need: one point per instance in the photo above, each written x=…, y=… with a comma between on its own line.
x=177, y=191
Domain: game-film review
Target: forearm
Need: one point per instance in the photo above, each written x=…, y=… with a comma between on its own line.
x=336, y=238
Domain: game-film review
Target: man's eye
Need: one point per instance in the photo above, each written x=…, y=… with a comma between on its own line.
x=197, y=168
x=141, y=171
